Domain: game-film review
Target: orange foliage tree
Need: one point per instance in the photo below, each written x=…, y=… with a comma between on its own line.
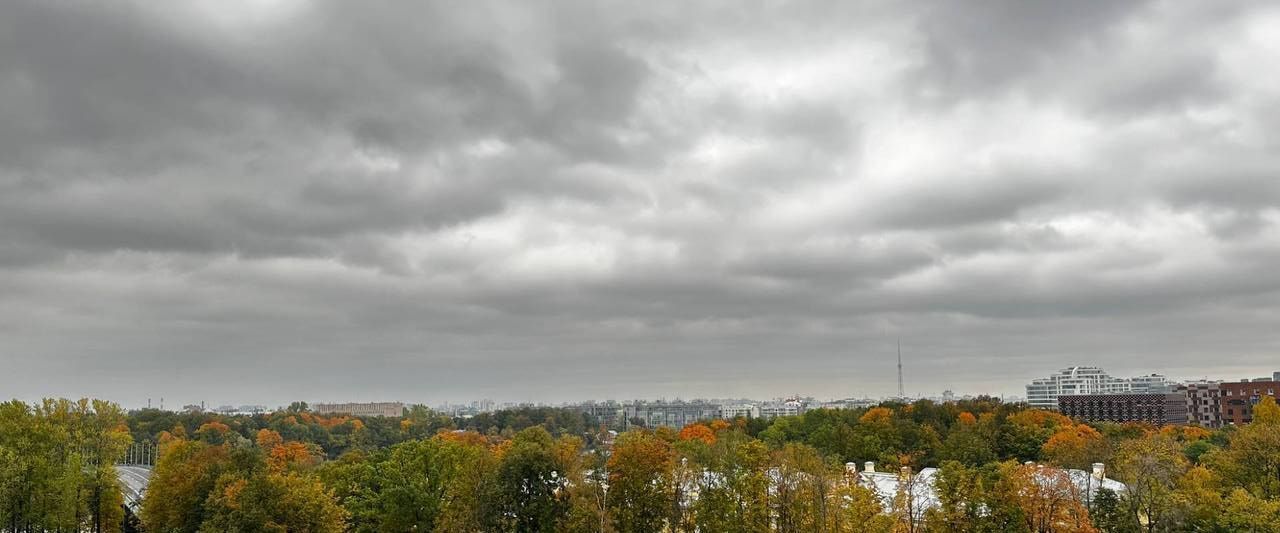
x=1074, y=446
x=268, y=439
x=877, y=416
x=292, y=454
x=1049, y=500
x=698, y=432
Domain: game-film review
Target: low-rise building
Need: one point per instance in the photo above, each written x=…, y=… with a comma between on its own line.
x=1158, y=409
x=1239, y=397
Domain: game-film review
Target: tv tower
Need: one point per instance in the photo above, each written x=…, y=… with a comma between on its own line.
x=901, y=392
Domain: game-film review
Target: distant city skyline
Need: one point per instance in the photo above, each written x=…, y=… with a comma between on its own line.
x=1019, y=395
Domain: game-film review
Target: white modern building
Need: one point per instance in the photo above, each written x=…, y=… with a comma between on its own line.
x=787, y=407
x=1043, y=393
x=1151, y=384
x=739, y=410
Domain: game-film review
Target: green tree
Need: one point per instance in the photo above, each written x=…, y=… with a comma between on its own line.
x=732, y=492
x=857, y=509
x=970, y=444
x=959, y=493
x=530, y=483
x=57, y=473
x=1109, y=514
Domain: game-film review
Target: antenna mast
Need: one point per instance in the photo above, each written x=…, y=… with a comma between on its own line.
x=901, y=392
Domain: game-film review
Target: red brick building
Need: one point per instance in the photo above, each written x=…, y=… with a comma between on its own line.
x=1238, y=398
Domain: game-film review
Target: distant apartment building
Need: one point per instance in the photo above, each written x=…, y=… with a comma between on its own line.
x=242, y=410
x=1203, y=400
x=670, y=414
x=387, y=409
x=740, y=410
x=787, y=407
x=1044, y=392
x=1151, y=384
x=606, y=412
x=850, y=403
x=1153, y=408
x=1238, y=399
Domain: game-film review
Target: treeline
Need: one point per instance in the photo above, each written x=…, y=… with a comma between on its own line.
x=56, y=469
x=999, y=467
x=338, y=434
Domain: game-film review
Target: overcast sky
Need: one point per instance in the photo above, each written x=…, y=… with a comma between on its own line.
x=261, y=201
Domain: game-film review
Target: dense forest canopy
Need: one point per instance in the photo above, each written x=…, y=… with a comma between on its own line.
x=992, y=467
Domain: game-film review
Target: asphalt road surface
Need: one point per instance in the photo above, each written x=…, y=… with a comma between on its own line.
x=134, y=481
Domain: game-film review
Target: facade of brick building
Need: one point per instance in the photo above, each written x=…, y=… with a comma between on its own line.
x=1204, y=402
x=1238, y=399
x=1157, y=409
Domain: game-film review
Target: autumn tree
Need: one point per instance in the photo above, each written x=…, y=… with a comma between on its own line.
x=857, y=509
x=1151, y=468
x=588, y=496
x=1024, y=433
x=802, y=486
x=698, y=432
x=1047, y=498
x=1252, y=458
x=272, y=502
x=1074, y=446
x=182, y=480
x=732, y=490
x=641, y=484
x=910, y=502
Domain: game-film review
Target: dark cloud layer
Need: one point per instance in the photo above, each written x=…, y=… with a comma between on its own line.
x=258, y=201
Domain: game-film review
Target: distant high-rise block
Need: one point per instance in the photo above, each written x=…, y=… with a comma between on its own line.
x=1044, y=392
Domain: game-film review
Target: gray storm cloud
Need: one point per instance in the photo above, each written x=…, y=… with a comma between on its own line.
x=267, y=201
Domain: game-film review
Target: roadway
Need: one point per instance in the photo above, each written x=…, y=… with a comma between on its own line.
x=133, y=481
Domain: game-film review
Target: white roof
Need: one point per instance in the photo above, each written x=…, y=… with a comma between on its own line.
x=886, y=486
